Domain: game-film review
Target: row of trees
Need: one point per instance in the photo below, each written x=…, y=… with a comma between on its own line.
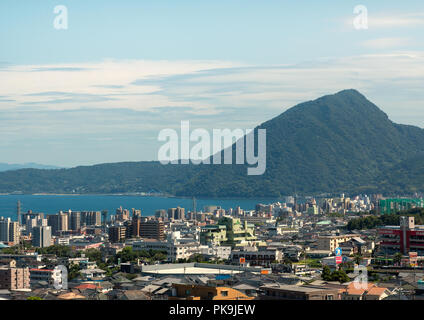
x=373, y=221
x=336, y=275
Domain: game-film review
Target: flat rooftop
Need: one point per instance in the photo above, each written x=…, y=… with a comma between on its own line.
x=196, y=269
x=192, y=270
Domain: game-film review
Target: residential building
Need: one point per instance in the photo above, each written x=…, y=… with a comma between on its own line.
x=9, y=231
x=228, y=231
x=152, y=229
x=58, y=223
x=332, y=242
x=75, y=220
x=117, y=233
x=14, y=278
x=254, y=257
x=91, y=218
x=42, y=236
x=295, y=292
x=201, y=292
x=50, y=276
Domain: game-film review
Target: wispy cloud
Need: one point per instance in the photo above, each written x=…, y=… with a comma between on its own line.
x=396, y=20
x=80, y=111
x=378, y=20
x=386, y=43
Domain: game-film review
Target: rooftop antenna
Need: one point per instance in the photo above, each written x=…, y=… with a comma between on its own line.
x=194, y=209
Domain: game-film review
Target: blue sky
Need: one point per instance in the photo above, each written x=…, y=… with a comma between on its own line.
x=102, y=90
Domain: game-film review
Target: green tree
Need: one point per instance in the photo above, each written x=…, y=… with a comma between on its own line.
x=397, y=258
x=326, y=273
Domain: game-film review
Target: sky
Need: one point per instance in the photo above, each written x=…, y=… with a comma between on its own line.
x=102, y=89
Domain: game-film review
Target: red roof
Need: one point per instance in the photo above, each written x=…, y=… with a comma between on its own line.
x=86, y=286
x=47, y=270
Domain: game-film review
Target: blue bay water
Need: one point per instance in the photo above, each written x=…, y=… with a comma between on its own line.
x=50, y=204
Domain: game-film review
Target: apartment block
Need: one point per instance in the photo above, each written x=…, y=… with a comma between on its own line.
x=14, y=278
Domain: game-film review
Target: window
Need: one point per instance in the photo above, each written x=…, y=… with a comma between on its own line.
x=224, y=293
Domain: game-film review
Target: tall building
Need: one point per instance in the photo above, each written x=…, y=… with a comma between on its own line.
x=58, y=222
x=42, y=236
x=180, y=214
x=31, y=215
x=136, y=213
x=9, y=231
x=122, y=214
x=30, y=222
x=176, y=213
x=75, y=220
x=117, y=233
x=171, y=213
x=104, y=216
x=152, y=229
x=135, y=226
x=91, y=218
x=161, y=214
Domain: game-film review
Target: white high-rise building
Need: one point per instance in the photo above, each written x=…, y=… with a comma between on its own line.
x=42, y=236
x=9, y=230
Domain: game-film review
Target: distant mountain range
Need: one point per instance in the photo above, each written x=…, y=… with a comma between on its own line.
x=30, y=165
x=337, y=143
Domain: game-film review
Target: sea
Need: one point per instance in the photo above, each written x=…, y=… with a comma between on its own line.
x=50, y=204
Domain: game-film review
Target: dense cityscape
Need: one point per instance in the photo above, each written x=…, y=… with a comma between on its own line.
x=288, y=250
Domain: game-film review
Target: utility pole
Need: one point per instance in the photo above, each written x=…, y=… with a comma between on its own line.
x=194, y=209
x=18, y=212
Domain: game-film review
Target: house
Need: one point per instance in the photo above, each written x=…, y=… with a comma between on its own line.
x=364, y=291
x=92, y=274
x=201, y=292
x=278, y=291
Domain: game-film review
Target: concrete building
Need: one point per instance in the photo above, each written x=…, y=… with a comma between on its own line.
x=91, y=218
x=254, y=257
x=152, y=229
x=201, y=292
x=58, y=223
x=49, y=276
x=220, y=252
x=9, y=231
x=117, y=233
x=14, y=278
x=408, y=237
x=42, y=236
x=294, y=292
x=332, y=242
x=175, y=251
x=74, y=220
x=229, y=231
